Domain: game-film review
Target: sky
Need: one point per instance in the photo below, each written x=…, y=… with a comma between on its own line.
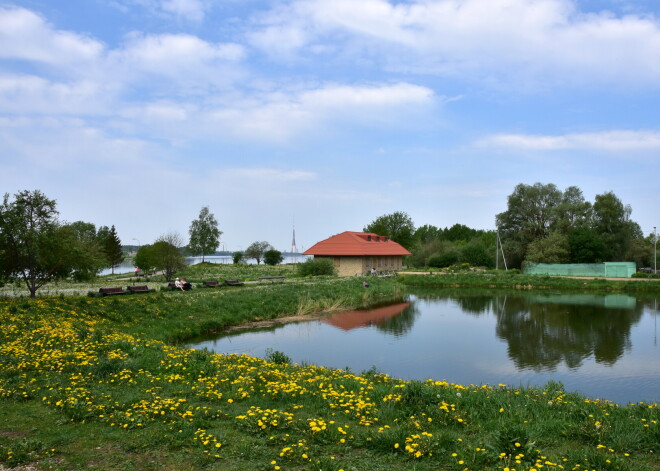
x=324, y=114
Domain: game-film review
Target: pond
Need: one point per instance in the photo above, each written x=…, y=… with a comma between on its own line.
x=604, y=346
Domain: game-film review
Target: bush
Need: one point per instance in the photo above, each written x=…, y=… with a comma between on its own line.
x=442, y=260
x=273, y=257
x=317, y=267
x=237, y=257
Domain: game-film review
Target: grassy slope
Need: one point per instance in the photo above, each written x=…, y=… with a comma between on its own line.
x=88, y=383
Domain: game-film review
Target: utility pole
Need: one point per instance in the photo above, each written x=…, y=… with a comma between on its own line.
x=655, y=258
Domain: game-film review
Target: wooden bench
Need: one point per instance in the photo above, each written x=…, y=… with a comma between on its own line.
x=111, y=291
x=211, y=284
x=138, y=289
x=271, y=278
x=233, y=283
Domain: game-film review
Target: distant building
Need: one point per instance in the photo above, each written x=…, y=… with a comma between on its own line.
x=356, y=253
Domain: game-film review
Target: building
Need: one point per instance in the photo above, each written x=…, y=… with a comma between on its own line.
x=356, y=253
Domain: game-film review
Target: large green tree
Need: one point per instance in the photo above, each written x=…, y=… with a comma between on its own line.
x=397, y=226
x=35, y=247
x=256, y=250
x=167, y=256
x=112, y=249
x=611, y=220
x=91, y=258
x=204, y=234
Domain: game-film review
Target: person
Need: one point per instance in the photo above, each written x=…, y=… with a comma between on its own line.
x=185, y=285
x=365, y=284
x=178, y=284
x=373, y=271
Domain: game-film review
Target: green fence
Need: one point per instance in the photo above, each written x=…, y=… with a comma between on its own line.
x=599, y=270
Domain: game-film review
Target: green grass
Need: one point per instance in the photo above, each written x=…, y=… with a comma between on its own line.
x=99, y=383
x=516, y=280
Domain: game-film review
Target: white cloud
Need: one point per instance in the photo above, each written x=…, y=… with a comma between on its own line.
x=26, y=36
x=282, y=115
x=193, y=10
x=615, y=141
x=26, y=94
x=516, y=40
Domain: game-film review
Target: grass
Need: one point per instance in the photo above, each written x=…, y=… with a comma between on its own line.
x=99, y=383
x=516, y=280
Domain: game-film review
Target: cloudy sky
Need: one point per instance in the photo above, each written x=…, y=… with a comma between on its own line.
x=325, y=113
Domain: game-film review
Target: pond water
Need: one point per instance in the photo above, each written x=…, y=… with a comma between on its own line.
x=604, y=346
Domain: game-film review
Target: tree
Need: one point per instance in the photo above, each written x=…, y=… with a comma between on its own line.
x=273, y=257
x=551, y=249
x=112, y=249
x=237, y=257
x=166, y=255
x=91, y=258
x=586, y=246
x=397, y=226
x=256, y=250
x=612, y=222
x=34, y=246
x=144, y=258
x=204, y=234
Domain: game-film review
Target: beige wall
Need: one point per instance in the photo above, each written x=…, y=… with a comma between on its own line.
x=351, y=266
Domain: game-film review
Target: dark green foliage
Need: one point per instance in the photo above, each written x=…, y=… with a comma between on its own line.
x=112, y=249
x=317, y=267
x=35, y=247
x=273, y=257
x=443, y=260
x=543, y=224
x=476, y=254
x=237, y=257
x=586, y=246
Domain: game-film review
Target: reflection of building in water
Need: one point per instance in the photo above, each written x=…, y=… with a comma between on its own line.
x=354, y=319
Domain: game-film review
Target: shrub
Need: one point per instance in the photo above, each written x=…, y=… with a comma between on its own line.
x=273, y=257
x=316, y=267
x=442, y=260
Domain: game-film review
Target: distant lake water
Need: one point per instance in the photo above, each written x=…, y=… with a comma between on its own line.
x=604, y=346
x=128, y=267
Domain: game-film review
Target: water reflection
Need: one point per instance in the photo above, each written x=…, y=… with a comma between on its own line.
x=604, y=346
x=396, y=319
x=542, y=331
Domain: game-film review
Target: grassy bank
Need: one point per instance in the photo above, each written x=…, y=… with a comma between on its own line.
x=516, y=280
x=98, y=383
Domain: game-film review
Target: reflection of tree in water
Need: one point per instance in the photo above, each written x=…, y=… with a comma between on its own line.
x=544, y=330
x=400, y=324
x=542, y=333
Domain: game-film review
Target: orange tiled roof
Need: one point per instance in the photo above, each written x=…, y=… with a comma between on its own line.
x=357, y=243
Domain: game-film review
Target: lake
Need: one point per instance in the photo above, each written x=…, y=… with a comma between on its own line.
x=128, y=267
x=604, y=346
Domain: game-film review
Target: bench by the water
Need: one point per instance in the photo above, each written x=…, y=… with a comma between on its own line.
x=211, y=284
x=233, y=283
x=111, y=291
x=271, y=278
x=138, y=289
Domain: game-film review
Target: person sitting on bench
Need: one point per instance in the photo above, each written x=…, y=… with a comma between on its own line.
x=178, y=284
x=185, y=285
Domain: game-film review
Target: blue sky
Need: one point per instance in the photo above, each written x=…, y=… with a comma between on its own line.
x=325, y=113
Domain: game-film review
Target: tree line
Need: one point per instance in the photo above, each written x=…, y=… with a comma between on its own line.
x=541, y=224
x=36, y=247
